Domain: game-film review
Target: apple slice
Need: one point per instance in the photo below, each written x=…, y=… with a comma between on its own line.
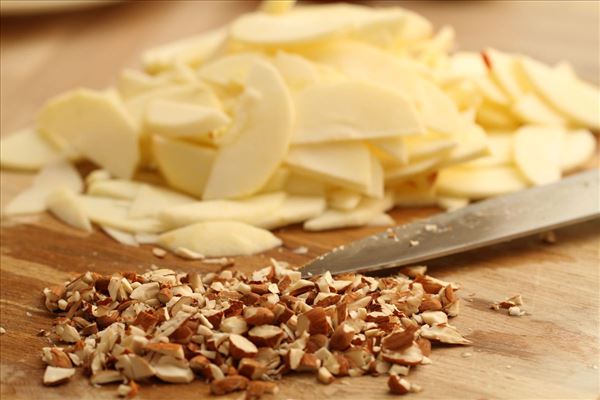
x=26, y=150
x=382, y=219
x=65, y=205
x=191, y=93
x=364, y=62
x=346, y=164
x=576, y=99
x=301, y=185
x=114, y=213
x=405, y=172
x=185, y=166
x=343, y=199
x=242, y=167
x=537, y=152
x=449, y=203
x=472, y=143
x=132, y=82
x=192, y=50
x=277, y=181
x=352, y=110
x=501, y=149
x=505, y=70
x=114, y=188
x=297, y=71
x=438, y=111
x=376, y=186
x=98, y=125
x=246, y=210
x=184, y=121
x=391, y=150
x=310, y=24
x=120, y=236
x=579, y=147
x=428, y=145
x=530, y=109
x=230, y=69
x=150, y=200
x=466, y=65
x=496, y=117
x=220, y=239
x=479, y=183
x=368, y=209
x=58, y=174
x=292, y=210
x=491, y=92
x=414, y=194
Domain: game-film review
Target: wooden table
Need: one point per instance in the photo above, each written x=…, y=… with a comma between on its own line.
x=552, y=352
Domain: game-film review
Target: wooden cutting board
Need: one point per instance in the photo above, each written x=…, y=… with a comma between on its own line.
x=552, y=352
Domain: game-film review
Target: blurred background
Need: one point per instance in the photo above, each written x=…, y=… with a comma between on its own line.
x=50, y=46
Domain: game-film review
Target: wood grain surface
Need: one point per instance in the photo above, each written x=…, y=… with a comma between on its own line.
x=551, y=353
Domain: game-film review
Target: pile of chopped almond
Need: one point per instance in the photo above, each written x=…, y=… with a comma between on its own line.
x=243, y=332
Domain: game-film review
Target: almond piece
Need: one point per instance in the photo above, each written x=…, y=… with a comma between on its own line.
x=314, y=321
x=56, y=376
x=430, y=304
x=56, y=357
x=343, y=365
x=324, y=376
x=235, y=325
x=146, y=321
x=168, y=349
x=134, y=367
x=424, y=345
x=430, y=285
x=259, y=288
x=199, y=364
x=409, y=356
x=213, y=373
x=171, y=369
x=129, y=391
x=251, y=368
x=240, y=347
x=256, y=389
x=294, y=356
x=145, y=291
x=67, y=333
x=258, y=316
x=106, y=376
x=164, y=295
x=327, y=299
x=228, y=384
x=282, y=313
x=398, y=341
x=268, y=357
x=342, y=337
x=309, y=362
x=315, y=342
x=250, y=299
x=447, y=295
x=443, y=333
x=360, y=357
x=434, y=317
x=398, y=385
x=266, y=335
x=299, y=287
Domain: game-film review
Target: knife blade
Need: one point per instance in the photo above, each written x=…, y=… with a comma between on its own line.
x=569, y=201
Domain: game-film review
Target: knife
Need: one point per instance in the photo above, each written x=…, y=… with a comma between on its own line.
x=569, y=201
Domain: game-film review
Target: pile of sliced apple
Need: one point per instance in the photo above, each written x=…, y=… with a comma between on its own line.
x=325, y=115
